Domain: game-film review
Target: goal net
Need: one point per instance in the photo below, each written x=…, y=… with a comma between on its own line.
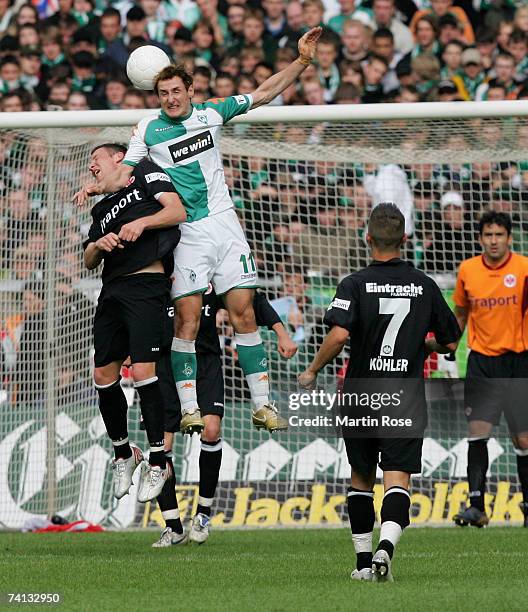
x=303, y=192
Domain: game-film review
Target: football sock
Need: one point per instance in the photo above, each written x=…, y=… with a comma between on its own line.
x=254, y=363
x=476, y=471
x=361, y=516
x=114, y=408
x=152, y=411
x=183, y=360
x=522, y=470
x=210, y=461
x=167, y=502
x=394, y=518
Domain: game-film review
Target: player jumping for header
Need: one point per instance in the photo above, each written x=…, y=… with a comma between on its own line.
x=183, y=140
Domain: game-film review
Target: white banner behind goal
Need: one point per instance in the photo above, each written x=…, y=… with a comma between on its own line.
x=303, y=190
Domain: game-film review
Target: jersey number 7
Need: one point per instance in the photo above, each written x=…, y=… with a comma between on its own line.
x=399, y=308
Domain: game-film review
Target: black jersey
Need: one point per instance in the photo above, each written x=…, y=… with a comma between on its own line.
x=388, y=308
x=207, y=341
x=136, y=200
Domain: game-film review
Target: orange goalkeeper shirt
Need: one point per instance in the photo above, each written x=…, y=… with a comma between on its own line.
x=497, y=300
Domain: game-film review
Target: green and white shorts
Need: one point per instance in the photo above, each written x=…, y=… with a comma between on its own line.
x=213, y=250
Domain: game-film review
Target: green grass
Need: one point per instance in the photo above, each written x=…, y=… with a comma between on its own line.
x=291, y=570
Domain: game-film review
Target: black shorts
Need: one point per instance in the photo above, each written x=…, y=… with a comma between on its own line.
x=495, y=385
x=209, y=388
x=131, y=319
x=393, y=454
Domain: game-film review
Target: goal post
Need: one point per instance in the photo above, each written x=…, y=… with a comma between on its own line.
x=303, y=180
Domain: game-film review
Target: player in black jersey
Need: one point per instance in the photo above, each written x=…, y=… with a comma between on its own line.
x=134, y=232
x=386, y=310
x=210, y=390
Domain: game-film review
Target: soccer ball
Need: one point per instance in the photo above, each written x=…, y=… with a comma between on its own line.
x=144, y=64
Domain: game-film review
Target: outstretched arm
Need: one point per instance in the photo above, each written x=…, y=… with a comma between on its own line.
x=331, y=347
x=277, y=83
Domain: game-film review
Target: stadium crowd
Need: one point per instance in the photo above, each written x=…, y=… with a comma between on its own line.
x=305, y=220
x=71, y=54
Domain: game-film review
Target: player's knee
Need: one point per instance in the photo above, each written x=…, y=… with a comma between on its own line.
x=362, y=482
x=211, y=432
x=105, y=376
x=143, y=371
x=243, y=320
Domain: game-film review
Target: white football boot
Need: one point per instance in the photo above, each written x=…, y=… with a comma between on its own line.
x=200, y=526
x=171, y=538
x=364, y=574
x=151, y=481
x=381, y=567
x=124, y=470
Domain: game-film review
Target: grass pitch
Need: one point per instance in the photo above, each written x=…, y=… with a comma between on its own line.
x=291, y=570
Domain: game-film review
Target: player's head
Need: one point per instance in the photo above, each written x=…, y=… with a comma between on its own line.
x=104, y=160
x=386, y=228
x=495, y=234
x=174, y=88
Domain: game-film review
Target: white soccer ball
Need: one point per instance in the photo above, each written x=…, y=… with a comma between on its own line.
x=144, y=64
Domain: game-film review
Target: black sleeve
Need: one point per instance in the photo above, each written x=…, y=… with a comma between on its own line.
x=443, y=322
x=344, y=308
x=265, y=314
x=153, y=179
x=94, y=233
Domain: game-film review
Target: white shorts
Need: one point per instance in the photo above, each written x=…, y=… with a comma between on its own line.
x=212, y=250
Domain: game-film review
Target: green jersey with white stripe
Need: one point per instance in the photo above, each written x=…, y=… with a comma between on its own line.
x=187, y=149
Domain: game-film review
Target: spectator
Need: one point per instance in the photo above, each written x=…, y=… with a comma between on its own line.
x=383, y=46
x=12, y=103
x=314, y=92
x=374, y=70
x=408, y=94
x=313, y=13
x=182, y=43
x=504, y=71
x=114, y=91
x=58, y=96
x=235, y=26
x=356, y=40
x=496, y=91
x=453, y=236
x=328, y=71
x=503, y=35
x=448, y=91
x=518, y=47
x=426, y=37
x=254, y=35
x=295, y=27
x=472, y=75
x=77, y=101
x=449, y=29
x=275, y=18
x=486, y=44
x=347, y=94
x=349, y=11
x=452, y=59
x=133, y=99
x=438, y=9
x=109, y=28
x=384, y=17
x=520, y=20
x=9, y=74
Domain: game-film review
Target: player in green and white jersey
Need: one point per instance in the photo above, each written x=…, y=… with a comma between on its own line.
x=183, y=140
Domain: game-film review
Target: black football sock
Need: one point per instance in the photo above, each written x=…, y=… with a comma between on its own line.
x=167, y=501
x=152, y=411
x=522, y=470
x=210, y=461
x=114, y=408
x=476, y=471
x=361, y=516
x=394, y=518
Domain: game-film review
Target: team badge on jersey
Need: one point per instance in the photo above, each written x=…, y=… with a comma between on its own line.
x=131, y=180
x=192, y=276
x=510, y=280
x=202, y=118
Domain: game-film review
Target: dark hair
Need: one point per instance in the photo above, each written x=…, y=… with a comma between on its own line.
x=383, y=33
x=347, y=91
x=203, y=71
x=518, y=36
x=112, y=147
x=136, y=13
x=226, y=75
x=111, y=12
x=386, y=226
x=373, y=57
x=496, y=84
x=172, y=71
x=83, y=59
x=9, y=59
x=492, y=217
x=432, y=21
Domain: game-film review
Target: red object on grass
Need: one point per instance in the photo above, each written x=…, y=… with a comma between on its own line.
x=77, y=526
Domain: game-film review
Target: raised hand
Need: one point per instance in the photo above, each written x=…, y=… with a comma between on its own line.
x=308, y=43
